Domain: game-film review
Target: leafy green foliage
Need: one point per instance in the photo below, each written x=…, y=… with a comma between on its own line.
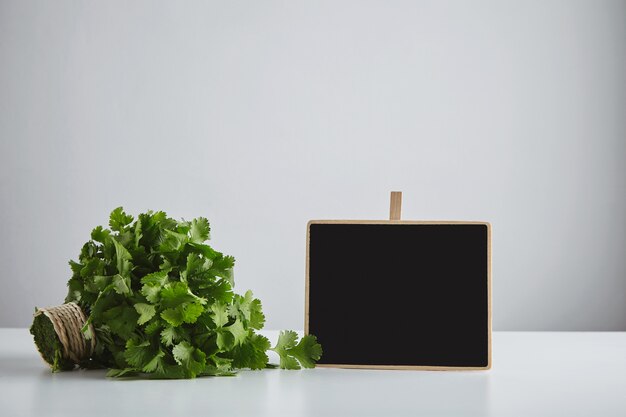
x=162, y=304
x=293, y=354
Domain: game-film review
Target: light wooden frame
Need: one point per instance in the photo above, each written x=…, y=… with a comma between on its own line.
x=405, y=222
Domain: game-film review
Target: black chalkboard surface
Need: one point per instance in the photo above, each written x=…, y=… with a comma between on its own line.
x=400, y=294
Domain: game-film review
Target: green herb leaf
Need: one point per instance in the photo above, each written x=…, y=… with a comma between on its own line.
x=293, y=355
x=191, y=359
x=220, y=316
x=119, y=219
x=200, y=229
x=146, y=312
x=171, y=334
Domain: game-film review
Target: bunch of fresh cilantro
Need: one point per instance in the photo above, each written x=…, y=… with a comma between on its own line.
x=162, y=305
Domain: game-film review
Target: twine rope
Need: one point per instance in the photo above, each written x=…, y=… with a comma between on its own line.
x=68, y=321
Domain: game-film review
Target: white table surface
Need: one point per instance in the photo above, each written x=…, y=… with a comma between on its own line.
x=534, y=374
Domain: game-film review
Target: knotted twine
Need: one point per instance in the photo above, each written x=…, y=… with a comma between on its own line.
x=68, y=321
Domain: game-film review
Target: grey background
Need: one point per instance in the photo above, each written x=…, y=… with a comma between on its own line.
x=262, y=115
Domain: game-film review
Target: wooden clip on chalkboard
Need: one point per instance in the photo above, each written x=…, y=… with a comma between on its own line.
x=396, y=294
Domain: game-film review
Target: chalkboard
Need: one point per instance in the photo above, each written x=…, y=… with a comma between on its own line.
x=400, y=294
